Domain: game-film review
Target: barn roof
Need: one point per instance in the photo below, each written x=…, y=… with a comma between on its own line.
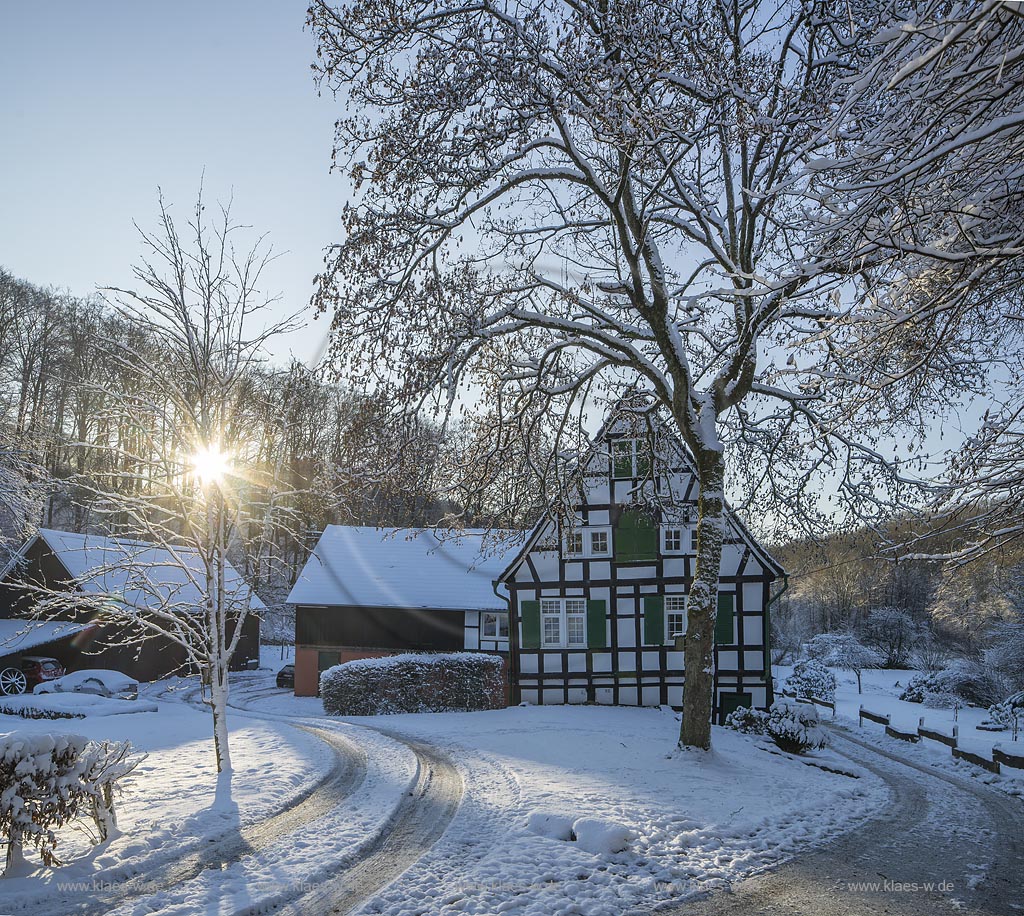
x=139, y=573
x=22, y=635
x=403, y=568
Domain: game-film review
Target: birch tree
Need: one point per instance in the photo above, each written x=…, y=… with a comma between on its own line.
x=185, y=473
x=559, y=201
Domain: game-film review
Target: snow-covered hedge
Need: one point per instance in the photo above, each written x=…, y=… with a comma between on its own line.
x=25, y=711
x=449, y=682
x=47, y=781
x=964, y=680
x=795, y=727
x=811, y=678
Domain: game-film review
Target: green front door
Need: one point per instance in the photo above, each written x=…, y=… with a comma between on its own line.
x=730, y=702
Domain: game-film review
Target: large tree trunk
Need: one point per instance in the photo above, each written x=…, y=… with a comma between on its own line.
x=702, y=607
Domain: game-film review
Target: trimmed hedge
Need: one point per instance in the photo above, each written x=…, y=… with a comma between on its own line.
x=413, y=682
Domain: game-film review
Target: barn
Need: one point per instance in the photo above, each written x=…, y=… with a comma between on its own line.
x=598, y=593
x=138, y=574
x=369, y=592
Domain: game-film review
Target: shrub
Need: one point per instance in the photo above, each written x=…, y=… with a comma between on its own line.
x=451, y=682
x=964, y=680
x=842, y=650
x=795, y=727
x=1009, y=713
x=47, y=781
x=921, y=685
x=748, y=721
x=810, y=678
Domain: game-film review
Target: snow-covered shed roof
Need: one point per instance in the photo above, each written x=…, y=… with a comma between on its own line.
x=140, y=574
x=403, y=568
x=22, y=635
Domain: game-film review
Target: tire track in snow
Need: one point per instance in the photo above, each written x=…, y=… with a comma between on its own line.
x=938, y=828
x=421, y=819
x=419, y=822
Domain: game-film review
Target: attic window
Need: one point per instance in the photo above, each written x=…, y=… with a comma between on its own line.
x=630, y=458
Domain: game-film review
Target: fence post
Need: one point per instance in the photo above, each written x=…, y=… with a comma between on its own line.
x=860, y=716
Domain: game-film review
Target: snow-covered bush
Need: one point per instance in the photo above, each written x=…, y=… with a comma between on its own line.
x=965, y=680
x=47, y=781
x=893, y=633
x=919, y=686
x=748, y=721
x=842, y=650
x=795, y=727
x=457, y=681
x=811, y=678
x=1009, y=713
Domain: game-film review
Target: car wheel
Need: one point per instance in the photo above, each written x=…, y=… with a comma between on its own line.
x=13, y=681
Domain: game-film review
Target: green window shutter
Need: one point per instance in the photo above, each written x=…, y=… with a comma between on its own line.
x=636, y=538
x=725, y=622
x=529, y=613
x=654, y=620
x=596, y=630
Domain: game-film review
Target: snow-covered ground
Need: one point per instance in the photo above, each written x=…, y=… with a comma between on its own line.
x=169, y=799
x=694, y=821
x=882, y=688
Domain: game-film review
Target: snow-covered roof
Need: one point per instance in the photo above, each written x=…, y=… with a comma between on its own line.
x=404, y=568
x=140, y=574
x=21, y=635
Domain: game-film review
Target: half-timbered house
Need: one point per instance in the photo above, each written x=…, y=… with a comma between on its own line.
x=598, y=593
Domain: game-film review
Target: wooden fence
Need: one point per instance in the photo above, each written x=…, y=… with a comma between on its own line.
x=999, y=756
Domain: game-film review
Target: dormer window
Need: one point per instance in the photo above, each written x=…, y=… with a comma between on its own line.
x=630, y=458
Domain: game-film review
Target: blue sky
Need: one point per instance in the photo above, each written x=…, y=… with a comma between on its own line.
x=102, y=102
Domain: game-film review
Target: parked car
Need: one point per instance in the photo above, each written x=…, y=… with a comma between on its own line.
x=286, y=676
x=101, y=682
x=28, y=671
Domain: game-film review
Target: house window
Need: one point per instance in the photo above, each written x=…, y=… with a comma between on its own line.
x=587, y=542
x=675, y=616
x=574, y=543
x=563, y=622
x=495, y=626
x=671, y=540
x=678, y=540
x=630, y=458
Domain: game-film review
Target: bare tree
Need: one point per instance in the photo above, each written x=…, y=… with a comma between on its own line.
x=561, y=201
x=935, y=176
x=185, y=474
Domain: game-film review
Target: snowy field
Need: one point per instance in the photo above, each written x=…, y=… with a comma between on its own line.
x=169, y=800
x=693, y=822
x=882, y=688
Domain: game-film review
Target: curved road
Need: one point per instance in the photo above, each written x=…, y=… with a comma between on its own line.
x=421, y=818
x=944, y=845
